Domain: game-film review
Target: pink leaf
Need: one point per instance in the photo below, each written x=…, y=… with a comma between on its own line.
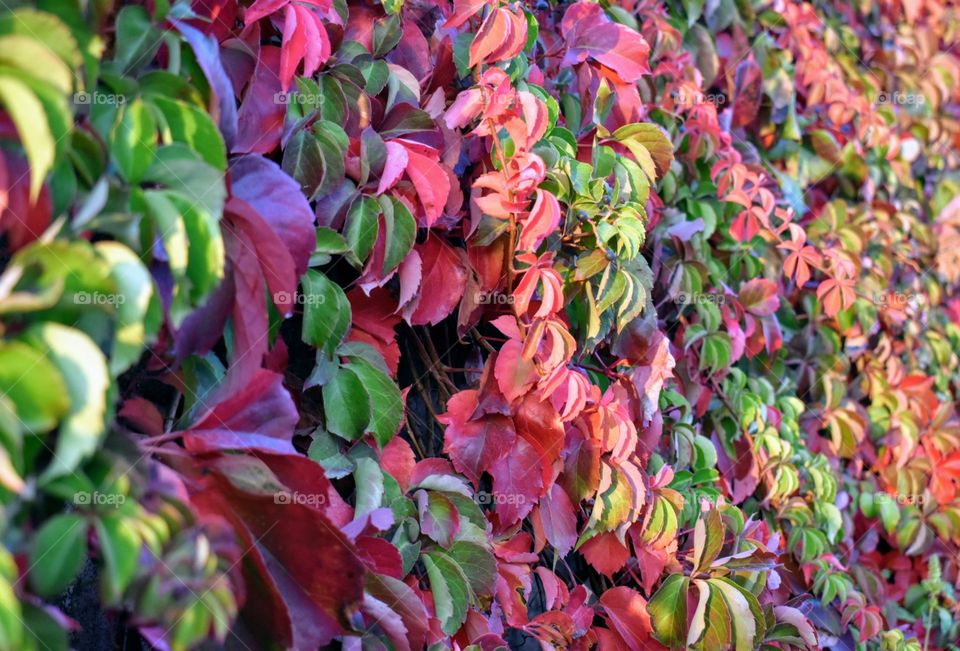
x=396, y=163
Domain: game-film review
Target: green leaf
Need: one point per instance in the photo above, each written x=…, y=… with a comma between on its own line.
x=362, y=227
x=668, y=611
x=326, y=312
x=346, y=405
x=137, y=38
x=194, y=127
x=11, y=618
x=33, y=385
x=400, y=232
x=649, y=145
x=745, y=613
x=133, y=142
x=31, y=56
x=46, y=29
x=84, y=370
x=478, y=565
x=710, y=626
x=386, y=403
x=451, y=590
x=708, y=534
x=59, y=551
x=120, y=548
x=315, y=160
x=369, y=481
x=135, y=285
x=38, y=143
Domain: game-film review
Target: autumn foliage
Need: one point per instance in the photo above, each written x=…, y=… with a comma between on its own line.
x=475, y=325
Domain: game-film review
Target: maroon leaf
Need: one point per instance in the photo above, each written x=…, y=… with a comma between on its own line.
x=474, y=445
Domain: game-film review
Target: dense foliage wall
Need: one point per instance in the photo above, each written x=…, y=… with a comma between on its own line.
x=409, y=324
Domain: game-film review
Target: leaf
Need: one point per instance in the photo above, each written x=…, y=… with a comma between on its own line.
x=315, y=160
x=759, y=297
x=57, y=553
x=346, y=404
x=137, y=39
x=444, y=281
x=134, y=284
x=559, y=519
x=120, y=548
x=369, y=481
x=386, y=403
x=207, y=51
x=474, y=444
x=478, y=565
x=133, y=142
x=590, y=33
x=431, y=183
x=649, y=145
x=668, y=611
x=85, y=375
x=33, y=385
x=627, y=612
x=394, y=166
x=711, y=626
x=451, y=590
x=708, y=537
x=400, y=232
x=191, y=126
x=517, y=482
x=326, y=312
x=362, y=227
x=23, y=108
x=439, y=517
x=748, y=621
x=275, y=196
x=304, y=596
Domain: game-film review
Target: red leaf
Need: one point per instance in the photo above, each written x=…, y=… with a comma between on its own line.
x=302, y=598
x=626, y=612
x=605, y=553
x=590, y=33
x=443, y=282
x=559, y=519
x=278, y=199
x=21, y=219
x=474, y=445
x=304, y=39
x=517, y=482
x=260, y=118
x=398, y=460
x=394, y=166
x=515, y=375
x=374, y=323
x=543, y=219
x=502, y=36
x=431, y=183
